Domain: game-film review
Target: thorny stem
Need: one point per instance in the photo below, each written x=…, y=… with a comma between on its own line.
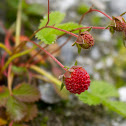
x=49, y=55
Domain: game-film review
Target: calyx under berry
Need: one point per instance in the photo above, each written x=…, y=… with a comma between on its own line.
x=76, y=79
x=118, y=24
x=85, y=40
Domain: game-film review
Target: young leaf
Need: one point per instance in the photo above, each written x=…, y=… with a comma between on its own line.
x=15, y=109
x=26, y=93
x=62, y=86
x=44, y=35
x=31, y=112
x=4, y=94
x=49, y=35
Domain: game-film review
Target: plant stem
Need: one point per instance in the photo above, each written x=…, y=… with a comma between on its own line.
x=43, y=72
x=57, y=84
x=49, y=54
x=93, y=27
x=90, y=10
x=18, y=23
x=70, y=33
x=11, y=123
x=15, y=56
x=10, y=78
x=6, y=49
x=102, y=13
x=48, y=14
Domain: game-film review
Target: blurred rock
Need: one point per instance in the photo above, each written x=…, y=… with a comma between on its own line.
x=48, y=93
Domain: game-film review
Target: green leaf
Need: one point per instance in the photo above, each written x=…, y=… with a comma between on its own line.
x=15, y=109
x=26, y=93
x=119, y=107
x=31, y=112
x=62, y=86
x=4, y=94
x=89, y=98
x=49, y=35
x=103, y=89
x=99, y=92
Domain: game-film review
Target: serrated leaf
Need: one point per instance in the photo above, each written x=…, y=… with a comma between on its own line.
x=99, y=91
x=119, y=107
x=62, y=86
x=103, y=89
x=15, y=109
x=49, y=35
x=89, y=98
x=31, y=112
x=4, y=94
x=26, y=93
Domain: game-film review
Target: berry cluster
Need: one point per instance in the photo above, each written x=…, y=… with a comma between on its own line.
x=76, y=80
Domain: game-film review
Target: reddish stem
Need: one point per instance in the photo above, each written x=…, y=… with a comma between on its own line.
x=35, y=62
x=2, y=62
x=48, y=14
x=93, y=27
x=11, y=123
x=102, y=13
x=49, y=55
x=70, y=33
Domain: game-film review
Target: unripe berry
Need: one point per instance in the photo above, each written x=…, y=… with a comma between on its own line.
x=76, y=80
x=118, y=23
x=85, y=40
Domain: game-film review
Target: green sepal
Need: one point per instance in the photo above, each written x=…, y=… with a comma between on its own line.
x=76, y=63
x=62, y=86
x=89, y=29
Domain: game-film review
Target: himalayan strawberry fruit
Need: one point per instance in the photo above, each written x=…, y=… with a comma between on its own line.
x=85, y=40
x=118, y=23
x=76, y=80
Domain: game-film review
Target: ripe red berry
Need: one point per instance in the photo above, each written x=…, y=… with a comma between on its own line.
x=76, y=80
x=85, y=40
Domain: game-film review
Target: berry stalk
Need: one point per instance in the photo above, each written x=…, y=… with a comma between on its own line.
x=49, y=55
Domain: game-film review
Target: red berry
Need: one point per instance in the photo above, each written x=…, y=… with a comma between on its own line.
x=76, y=80
x=85, y=40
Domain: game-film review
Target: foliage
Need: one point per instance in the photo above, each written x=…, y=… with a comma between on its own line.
x=19, y=105
x=49, y=35
x=101, y=93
